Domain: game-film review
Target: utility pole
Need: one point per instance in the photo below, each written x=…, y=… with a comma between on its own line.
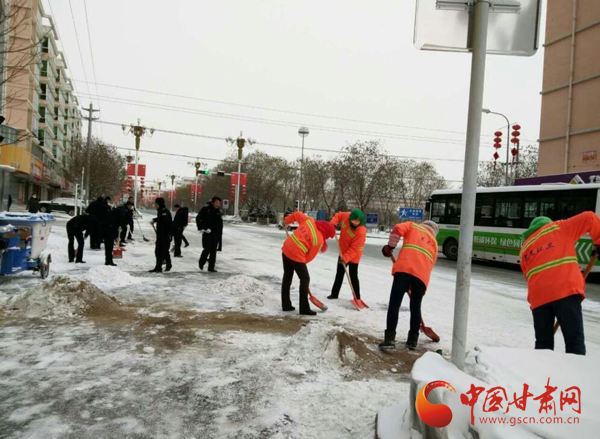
x=172, y=177
x=88, y=148
x=138, y=131
x=159, y=185
x=240, y=143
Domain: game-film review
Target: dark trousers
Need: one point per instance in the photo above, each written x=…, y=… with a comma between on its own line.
x=568, y=313
x=339, y=279
x=289, y=267
x=125, y=233
x=403, y=282
x=95, y=234
x=75, y=235
x=210, y=243
x=161, y=251
x=185, y=241
x=109, y=242
x=178, y=237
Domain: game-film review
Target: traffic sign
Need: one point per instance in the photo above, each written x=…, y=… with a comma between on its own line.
x=225, y=204
x=410, y=213
x=372, y=219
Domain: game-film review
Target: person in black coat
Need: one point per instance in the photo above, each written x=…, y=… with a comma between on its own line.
x=110, y=220
x=210, y=223
x=33, y=205
x=180, y=222
x=95, y=211
x=125, y=221
x=163, y=224
x=76, y=227
x=9, y=202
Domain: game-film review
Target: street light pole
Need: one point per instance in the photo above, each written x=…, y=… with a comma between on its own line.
x=88, y=149
x=303, y=132
x=487, y=111
x=138, y=131
x=481, y=11
x=240, y=143
x=172, y=177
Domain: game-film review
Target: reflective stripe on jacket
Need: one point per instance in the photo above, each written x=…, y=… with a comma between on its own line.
x=419, y=251
x=549, y=259
x=351, y=240
x=305, y=243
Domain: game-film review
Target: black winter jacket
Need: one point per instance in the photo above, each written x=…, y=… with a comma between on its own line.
x=210, y=218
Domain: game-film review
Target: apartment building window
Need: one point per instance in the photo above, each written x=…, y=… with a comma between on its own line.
x=67, y=98
x=55, y=132
x=44, y=71
x=57, y=75
x=54, y=151
x=41, y=137
x=55, y=113
x=65, y=128
x=43, y=94
x=45, y=45
x=42, y=111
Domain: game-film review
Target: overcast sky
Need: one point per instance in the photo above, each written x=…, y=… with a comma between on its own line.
x=345, y=59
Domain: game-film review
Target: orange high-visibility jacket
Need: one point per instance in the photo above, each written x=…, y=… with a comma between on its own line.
x=351, y=240
x=419, y=251
x=549, y=259
x=306, y=241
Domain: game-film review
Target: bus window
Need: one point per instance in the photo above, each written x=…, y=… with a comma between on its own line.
x=438, y=209
x=530, y=210
x=453, y=211
x=484, y=210
x=508, y=211
x=548, y=207
x=576, y=202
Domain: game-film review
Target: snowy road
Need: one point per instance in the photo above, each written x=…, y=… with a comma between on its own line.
x=190, y=354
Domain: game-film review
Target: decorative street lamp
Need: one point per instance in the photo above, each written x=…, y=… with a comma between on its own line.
x=138, y=131
x=488, y=111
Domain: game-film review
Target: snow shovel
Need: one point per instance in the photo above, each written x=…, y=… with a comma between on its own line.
x=316, y=302
x=141, y=231
x=358, y=303
x=428, y=331
x=587, y=271
x=118, y=252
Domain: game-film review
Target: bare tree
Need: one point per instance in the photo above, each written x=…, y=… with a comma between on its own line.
x=492, y=174
x=361, y=170
x=108, y=173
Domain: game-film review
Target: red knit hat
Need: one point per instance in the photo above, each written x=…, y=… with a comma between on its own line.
x=326, y=229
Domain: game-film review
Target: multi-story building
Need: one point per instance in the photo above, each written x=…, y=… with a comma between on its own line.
x=570, y=122
x=41, y=108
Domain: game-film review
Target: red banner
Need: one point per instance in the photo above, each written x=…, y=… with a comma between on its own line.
x=196, y=188
x=131, y=170
x=234, y=178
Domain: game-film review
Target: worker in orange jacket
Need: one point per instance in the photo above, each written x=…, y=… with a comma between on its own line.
x=555, y=285
x=352, y=239
x=299, y=249
x=411, y=271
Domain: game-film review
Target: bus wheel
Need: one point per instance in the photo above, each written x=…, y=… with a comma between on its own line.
x=451, y=249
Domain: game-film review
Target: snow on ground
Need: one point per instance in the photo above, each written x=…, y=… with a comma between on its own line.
x=191, y=354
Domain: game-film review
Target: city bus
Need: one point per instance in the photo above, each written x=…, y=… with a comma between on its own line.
x=502, y=214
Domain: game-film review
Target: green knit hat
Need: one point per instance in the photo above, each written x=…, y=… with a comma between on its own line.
x=535, y=225
x=357, y=214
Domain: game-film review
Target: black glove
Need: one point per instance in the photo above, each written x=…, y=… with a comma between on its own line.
x=341, y=261
x=596, y=251
x=387, y=251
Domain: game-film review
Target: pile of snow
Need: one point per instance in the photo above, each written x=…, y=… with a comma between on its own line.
x=231, y=219
x=63, y=297
x=314, y=347
x=509, y=368
x=248, y=291
x=107, y=277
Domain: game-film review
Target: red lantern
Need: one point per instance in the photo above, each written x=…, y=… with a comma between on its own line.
x=496, y=156
x=498, y=140
x=515, y=135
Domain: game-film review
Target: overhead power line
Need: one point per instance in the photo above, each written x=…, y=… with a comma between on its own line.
x=299, y=113
x=195, y=157
x=278, y=145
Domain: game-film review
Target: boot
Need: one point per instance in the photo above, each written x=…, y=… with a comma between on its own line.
x=307, y=312
x=389, y=341
x=288, y=308
x=332, y=297
x=413, y=338
x=200, y=264
x=155, y=270
x=168, y=267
